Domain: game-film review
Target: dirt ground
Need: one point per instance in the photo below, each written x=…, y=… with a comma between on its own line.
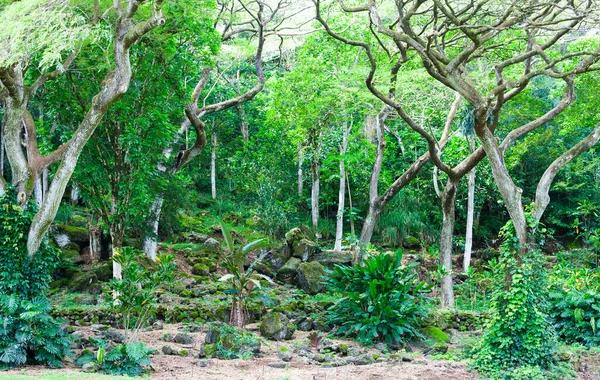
x=173, y=367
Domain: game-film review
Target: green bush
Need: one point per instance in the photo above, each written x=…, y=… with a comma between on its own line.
x=19, y=274
x=519, y=336
x=234, y=342
x=380, y=301
x=576, y=315
x=29, y=335
x=121, y=360
x=132, y=297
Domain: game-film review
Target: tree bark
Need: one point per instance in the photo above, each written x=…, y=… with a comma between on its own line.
x=339, y=230
x=151, y=240
x=315, y=189
x=300, y=171
x=213, y=166
x=448, y=211
x=470, y=214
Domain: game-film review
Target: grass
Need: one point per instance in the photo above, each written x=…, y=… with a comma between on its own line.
x=58, y=375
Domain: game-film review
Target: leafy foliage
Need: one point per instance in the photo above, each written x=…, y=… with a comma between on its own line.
x=380, y=300
x=123, y=359
x=19, y=274
x=519, y=333
x=234, y=343
x=132, y=297
x=29, y=335
x=243, y=281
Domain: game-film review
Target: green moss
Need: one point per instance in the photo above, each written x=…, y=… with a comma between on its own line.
x=210, y=350
x=435, y=333
x=74, y=233
x=283, y=349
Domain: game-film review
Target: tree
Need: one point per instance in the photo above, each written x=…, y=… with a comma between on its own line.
x=25, y=168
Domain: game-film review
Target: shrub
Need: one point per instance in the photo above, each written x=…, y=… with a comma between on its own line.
x=519, y=335
x=123, y=359
x=29, y=335
x=132, y=297
x=234, y=342
x=380, y=301
x=19, y=274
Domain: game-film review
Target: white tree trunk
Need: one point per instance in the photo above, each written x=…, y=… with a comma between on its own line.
x=448, y=211
x=300, y=172
x=38, y=192
x=339, y=229
x=470, y=217
x=151, y=240
x=316, y=188
x=95, y=242
x=213, y=166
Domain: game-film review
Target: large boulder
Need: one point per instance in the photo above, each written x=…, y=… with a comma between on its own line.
x=78, y=235
x=331, y=258
x=310, y=277
x=287, y=273
x=304, y=249
x=276, y=326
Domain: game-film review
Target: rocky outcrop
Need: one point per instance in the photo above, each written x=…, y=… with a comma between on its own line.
x=276, y=326
x=310, y=277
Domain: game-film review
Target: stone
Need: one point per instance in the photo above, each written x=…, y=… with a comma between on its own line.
x=97, y=327
x=289, y=270
x=168, y=350
x=202, y=363
x=276, y=326
x=304, y=324
x=363, y=359
x=310, y=277
x=411, y=242
x=304, y=249
x=212, y=336
x=435, y=333
x=342, y=348
x=157, y=325
x=381, y=346
x=284, y=354
x=212, y=243
x=113, y=335
x=210, y=350
x=331, y=258
x=438, y=348
x=90, y=367
x=277, y=365
x=183, y=338
x=78, y=235
x=406, y=358
x=62, y=240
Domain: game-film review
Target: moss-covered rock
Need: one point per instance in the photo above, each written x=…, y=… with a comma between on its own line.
x=276, y=326
x=304, y=249
x=435, y=333
x=288, y=271
x=331, y=258
x=411, y=242
x=310, y=277
x=77, y=235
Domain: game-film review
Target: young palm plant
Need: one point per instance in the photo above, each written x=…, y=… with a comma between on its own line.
x=243, y=281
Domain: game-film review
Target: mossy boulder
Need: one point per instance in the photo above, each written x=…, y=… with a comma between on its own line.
x=71, y=255
x=411, y=242
x=311, y=276
x=276, y=326
x=331, y=258
x=201, y=270
x=287, y=273
x=77, y=235
x=304, y=249
x=435, y=333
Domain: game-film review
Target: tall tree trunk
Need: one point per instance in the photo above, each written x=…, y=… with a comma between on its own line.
x=448, y=211
x=339, y=229
x=315, y=190
x=470, y=214
x=95, y=242
x=151, y=239
x=300, y=172
x=213, y=166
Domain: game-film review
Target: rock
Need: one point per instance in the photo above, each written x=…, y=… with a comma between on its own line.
x=411, y=242
x=363, y=359
x=277, y=365
x=287, y=273
x=406, y=358
x=212, y=336
x=342, y=349
x=381, y=346
x=438, y=348
x=182, y=338
x=157, y=325
x=304, y=249
x=90, y=367
x=331, y=258
x=113, y=335
x=168, y=350
x=435, y=333
x=310, y=277
x=202, y=363
x=97, y=327
x=284, y=354
x=212, y=243
x=85, y=299
x=78, y=235
x=294, y=235
x=304, y=324
x=201, y=269
x=276, y=326
x=62, y=240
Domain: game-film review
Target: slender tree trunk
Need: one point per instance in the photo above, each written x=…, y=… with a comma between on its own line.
x=151, y=239
x=315, y=190
x=116, y=235
x=350, y=204
x=95, y=242
x=339, y=230
x=448, y=211
x=38, y=192
x=300, y=172
x=44, y=184
x=213, y=166
x=470, y=214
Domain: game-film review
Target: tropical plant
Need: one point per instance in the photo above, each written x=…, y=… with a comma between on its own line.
x=380, y=300
x=243, y=281
x=124, y=359
x=29, y=334
x=132, y=297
